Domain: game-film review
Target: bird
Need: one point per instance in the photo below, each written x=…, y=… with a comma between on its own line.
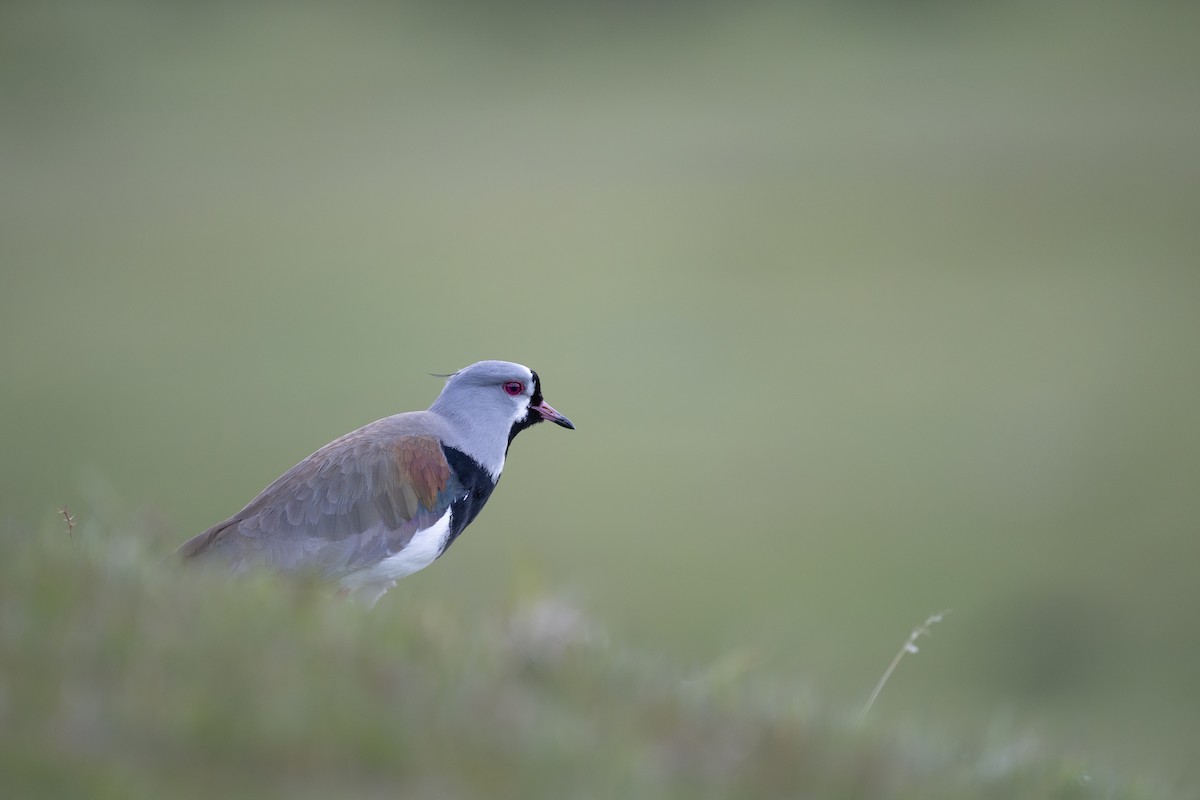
x=389, y=498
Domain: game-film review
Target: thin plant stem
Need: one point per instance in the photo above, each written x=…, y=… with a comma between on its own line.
x=70, y=520
x=909, y=646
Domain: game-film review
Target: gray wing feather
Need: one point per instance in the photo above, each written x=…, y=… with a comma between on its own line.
x=354, y=502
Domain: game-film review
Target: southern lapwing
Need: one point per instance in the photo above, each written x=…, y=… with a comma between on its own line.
x=387, y=499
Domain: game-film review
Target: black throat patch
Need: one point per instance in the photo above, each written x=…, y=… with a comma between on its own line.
x=478, y=486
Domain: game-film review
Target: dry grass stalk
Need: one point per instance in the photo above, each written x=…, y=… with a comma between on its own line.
x=909, y=646
x=70, y=520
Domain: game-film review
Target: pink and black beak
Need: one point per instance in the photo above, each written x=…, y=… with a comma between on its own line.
x=548, y=413
x=539, y=411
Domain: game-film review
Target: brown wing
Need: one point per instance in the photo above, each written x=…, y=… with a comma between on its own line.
x=349, y=505
x=421, y=471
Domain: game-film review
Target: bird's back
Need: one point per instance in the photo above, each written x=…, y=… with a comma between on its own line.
x=349, y=505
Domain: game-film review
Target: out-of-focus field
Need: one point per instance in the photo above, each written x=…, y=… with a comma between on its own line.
x=860, y=313
x=135, y=682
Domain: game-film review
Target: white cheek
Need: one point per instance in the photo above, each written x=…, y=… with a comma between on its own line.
x=522, y=409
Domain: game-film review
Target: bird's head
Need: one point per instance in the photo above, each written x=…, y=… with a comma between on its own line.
x=497, y=396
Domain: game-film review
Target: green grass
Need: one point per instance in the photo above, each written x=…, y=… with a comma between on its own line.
x=861, y=312
x=126, y=676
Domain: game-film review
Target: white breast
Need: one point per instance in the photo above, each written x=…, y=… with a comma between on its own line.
x=422, y=550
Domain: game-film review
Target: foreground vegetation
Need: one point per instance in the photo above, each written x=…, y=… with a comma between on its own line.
x=863, y=310
x=125, y=677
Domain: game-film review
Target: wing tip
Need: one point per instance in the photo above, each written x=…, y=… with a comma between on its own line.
x=201, y=542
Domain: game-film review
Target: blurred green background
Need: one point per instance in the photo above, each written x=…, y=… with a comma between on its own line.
x=862, y=311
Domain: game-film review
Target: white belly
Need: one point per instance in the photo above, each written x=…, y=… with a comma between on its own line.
x=422, y=550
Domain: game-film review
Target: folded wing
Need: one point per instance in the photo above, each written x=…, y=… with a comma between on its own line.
x=351, y=504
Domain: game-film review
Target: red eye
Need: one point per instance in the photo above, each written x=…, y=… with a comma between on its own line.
x=514, y=388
